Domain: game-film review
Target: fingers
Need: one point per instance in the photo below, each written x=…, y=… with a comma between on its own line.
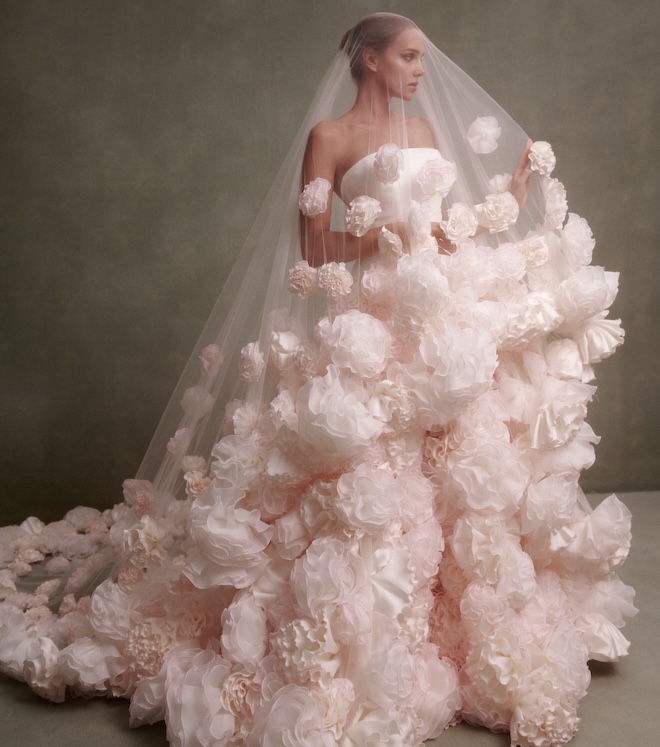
x=524, y=167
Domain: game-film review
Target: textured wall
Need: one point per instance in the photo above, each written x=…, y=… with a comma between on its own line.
x=138, y=138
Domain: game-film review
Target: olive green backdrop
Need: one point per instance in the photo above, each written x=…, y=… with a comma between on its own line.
x=138, y=139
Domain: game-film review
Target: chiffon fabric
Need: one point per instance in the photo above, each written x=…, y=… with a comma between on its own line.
x=360, y=520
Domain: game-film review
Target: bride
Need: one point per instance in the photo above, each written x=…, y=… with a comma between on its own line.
x=359, y=521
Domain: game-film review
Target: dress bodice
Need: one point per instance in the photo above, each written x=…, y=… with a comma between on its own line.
x=395, y=197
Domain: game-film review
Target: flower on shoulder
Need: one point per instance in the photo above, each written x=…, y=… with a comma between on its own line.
x=483, y=134
x=361, y=214
x=313, y=199
x=388, y=163
x=542, y=158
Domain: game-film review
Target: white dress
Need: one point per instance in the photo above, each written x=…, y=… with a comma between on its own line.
x=396, y=542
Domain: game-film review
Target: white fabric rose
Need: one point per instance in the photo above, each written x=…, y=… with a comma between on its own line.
x=229, y=541
x=421, y=289
x=237, y=460
x=493, y=476
x=292, y=718
x=483, y=134
x=559, y=419
x=313, y=199
x=437, y=176
x=542, y=158
x=556, y=205
x=303, y=280
x=509, y=262
x=332, y=419
x=390, y=244
x=143, y=543
x=328, y=574
x=461, y=222
x=388, y=163
x=565, y=362
x=587, y=293
x=368, y=498
x=210, y=357
x=500, y=183
x=498, y=213
x=335, y=279
x=197, y=402
x=543, y=715
x=534, y=247
x=356, y=341
x=577, y=242
x=308, y=651
x=252, y=362
x=598, y=338
x=361, y=214
x=244, y=632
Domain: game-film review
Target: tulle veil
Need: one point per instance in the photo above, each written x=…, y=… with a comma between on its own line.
x=255, y=302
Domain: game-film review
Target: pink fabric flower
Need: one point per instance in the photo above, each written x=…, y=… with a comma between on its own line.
x=388, y=163
x=313, y=199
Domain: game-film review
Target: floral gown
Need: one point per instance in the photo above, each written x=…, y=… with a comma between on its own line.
x=397, y=540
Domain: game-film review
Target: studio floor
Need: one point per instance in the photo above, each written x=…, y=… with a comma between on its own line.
x=621, y=709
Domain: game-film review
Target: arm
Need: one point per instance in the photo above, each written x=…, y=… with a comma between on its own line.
x=319, y=243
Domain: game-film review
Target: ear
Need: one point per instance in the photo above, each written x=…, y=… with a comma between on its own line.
x=370, y=60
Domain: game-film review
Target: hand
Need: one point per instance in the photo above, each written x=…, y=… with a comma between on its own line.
x=520, y=177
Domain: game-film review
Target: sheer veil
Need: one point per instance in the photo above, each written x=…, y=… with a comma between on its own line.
x=255, y=306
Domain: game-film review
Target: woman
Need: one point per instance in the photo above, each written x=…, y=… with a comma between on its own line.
x=390, y=536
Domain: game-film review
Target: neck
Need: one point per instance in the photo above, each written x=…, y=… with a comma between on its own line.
x=372, y=104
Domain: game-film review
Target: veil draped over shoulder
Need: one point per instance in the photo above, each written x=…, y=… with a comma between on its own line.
x=359, y=520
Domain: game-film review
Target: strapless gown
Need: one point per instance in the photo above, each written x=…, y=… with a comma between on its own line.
x=396, y=542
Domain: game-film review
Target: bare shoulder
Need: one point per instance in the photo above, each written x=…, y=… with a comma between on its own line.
x=420, y=132
x=325, y=135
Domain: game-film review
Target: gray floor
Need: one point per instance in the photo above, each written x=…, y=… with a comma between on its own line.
x=621, y=709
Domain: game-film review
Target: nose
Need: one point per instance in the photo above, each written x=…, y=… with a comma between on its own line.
x=419, y=71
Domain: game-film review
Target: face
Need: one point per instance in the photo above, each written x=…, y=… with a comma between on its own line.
x=399, y=67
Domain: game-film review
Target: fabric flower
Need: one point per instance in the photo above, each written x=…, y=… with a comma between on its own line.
x=437, y=176
x=556, y=206
x=498, y=213
x=335, y=279
x=328, y=574
x=598, y=338
x=388, y=163
x=252, y=362
x=244, y=633
x=534, y=247
x=461, y=222
x=361, y=215
x=356, y=341
x=313, y=199
x=303, y=280
x=500, y=183
x=292, y=718
x=390, y=244
x=143, y=543
x=421, y=289
x=368, y=498
x=197, y=402
x=210, y=357
x=542, y=158
x=229, y=542
x=577, y=242
x=483, y=134
x=331, y=418
x=587, y=293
